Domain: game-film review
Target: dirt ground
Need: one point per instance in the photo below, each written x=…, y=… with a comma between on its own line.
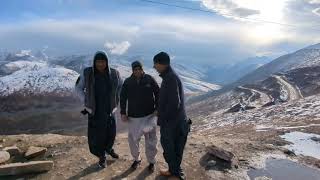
x=73, y=160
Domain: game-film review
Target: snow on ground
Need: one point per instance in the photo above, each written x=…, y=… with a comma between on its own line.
x=260, y=128
x=303, y=144
x=305, y=108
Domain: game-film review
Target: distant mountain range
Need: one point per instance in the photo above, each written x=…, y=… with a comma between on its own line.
x=37, y=73
x=287, y=78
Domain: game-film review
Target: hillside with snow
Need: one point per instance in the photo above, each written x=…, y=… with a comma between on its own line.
x=275, y=119
x=193, y=77
x=286, y=79
x=306, y=57
x=192, y=81
x=35, y=74
x=36, y=78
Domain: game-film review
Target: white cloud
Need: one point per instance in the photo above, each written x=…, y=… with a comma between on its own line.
x=268, y=10
x=230, y=8
x=304, y=14
x=200, y=36
x=277, y=11
x=117, y=48
x=314, y=1
x=85, y=30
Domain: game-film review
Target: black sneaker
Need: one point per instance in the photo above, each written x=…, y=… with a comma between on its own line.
x=113, y=154
x=135, y=164
x=102, y=162
x=151, y=167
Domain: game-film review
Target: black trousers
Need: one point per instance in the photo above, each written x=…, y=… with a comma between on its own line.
x=101, y=134
x=173, y=141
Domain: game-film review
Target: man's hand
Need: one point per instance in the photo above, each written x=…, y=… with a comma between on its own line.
x=124, y=118
x=89, y=110
x=86, y=111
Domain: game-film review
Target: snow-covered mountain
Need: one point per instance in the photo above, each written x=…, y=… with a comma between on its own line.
x=22, y=55
x=315, y=46
x=193, y=77
x=36, y=77
x=192, y=82
x=306, y=57
x=38, y=74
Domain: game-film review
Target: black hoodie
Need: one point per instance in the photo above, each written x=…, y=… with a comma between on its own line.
x=86, y=85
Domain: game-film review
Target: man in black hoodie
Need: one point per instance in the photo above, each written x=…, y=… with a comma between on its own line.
x=172, y=118
x=138, y=102
x=99, y=87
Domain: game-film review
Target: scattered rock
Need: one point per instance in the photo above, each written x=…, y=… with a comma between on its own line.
x=289, y=152
x=221, y=153
x=33, y=152
x=278, y=142
x=252, y=167
x=25, y=168
x=2, y=140
x=1, y=146
x=13, y=150
x=269, y=146
x=316, y=139
x=281, y=132
x=4, y=157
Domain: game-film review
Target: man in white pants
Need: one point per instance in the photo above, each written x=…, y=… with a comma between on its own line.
x=138, y=102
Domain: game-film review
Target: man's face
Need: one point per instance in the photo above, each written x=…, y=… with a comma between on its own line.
x=159, y=67
x=138, y=72
x=101, y=65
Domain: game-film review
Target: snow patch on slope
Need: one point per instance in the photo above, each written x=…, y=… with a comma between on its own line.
x=37, y=77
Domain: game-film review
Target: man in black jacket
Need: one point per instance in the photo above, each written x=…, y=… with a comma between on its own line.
x=99, y=88
x=172, y=119
x=138, y=101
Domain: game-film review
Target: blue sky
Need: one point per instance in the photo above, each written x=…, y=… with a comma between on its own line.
x=133, y=27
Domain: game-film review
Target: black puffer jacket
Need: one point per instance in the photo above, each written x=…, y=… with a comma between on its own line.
x=139, y=98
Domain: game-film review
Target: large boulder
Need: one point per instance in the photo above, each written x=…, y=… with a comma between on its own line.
x=4, y=157
x=25, y=168
x=33, y=152
x=221, y=153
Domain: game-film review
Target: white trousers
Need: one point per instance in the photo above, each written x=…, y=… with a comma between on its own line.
x=143, y=126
